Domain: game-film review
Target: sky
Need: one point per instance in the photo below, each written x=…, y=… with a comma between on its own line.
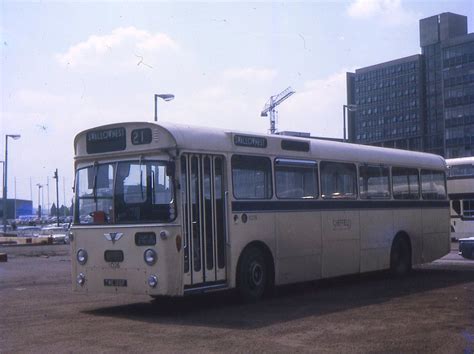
x=66, y=67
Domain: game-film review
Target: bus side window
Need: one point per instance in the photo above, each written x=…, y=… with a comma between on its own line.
x=251, y=177
x=405, y=183
x=433, y=185
x=338, y=180
x=374, y=182
x=461, y=170
x=468, y=208
x=296, y=179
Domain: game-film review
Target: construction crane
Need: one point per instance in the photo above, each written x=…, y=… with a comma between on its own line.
x=271, y=105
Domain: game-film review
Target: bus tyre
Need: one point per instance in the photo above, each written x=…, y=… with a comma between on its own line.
x=400, y=257
x=252, y=275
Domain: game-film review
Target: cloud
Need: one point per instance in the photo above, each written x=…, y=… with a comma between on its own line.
x=124, y=46
x=250, y=74
x=388, y=12
x=316, y=107
x=37, y=98
x=221, y=106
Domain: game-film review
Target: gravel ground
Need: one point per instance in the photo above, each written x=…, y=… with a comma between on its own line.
x=429, y=311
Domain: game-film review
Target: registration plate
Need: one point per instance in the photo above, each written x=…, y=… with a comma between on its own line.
x=115, y=282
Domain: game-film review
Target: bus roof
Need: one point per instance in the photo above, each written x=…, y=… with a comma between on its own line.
x=460, y=161
x=195, y=138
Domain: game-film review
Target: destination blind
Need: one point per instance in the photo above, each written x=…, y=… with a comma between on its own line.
x=106, y=140
x=250, y=141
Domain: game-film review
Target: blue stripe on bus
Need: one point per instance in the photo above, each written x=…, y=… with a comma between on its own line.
x=451, y=178
x=297, y=205
x=461, y=195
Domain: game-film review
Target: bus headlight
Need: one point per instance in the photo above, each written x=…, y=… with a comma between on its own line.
x=152, y=281
x=81, y=279
x=81, y=256
x=150, y=257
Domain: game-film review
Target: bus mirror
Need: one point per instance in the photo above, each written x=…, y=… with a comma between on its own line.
x=170, y=167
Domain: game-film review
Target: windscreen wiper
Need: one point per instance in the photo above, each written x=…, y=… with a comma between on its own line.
x=94, y=186
x=141, y=176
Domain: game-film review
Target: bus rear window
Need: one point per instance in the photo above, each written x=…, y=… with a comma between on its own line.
x=251, y=177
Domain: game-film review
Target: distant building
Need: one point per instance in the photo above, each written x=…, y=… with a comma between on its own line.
x=423, y=102
x=17, y=208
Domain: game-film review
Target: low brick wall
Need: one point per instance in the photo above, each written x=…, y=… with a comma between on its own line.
x=40, y=240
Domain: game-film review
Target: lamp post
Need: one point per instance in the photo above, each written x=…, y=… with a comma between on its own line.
x=164, y=96
x=39, y=200
x=55, y=176
x=5, y=178
x=349, y=108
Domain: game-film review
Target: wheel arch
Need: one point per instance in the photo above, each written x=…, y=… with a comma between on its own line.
x=404, y=235
x=398, y=266
x=269, y=261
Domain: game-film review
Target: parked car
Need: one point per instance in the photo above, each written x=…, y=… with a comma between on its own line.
x=28, y=231
x=55, y=233
x=466, y=247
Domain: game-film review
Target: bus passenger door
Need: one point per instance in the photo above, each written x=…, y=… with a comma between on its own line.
x=203, y=209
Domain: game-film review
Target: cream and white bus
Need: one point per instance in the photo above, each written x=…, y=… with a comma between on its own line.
x=461, y=196
x=174, y=210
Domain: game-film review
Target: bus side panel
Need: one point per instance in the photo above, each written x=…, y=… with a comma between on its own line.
x=458, y=190
x=460, y=186
x=464, y=227
x=436, y=233
x=376, y=234
x=298, y=246
x=341, y=243
x=409, y=221
x=259, y=227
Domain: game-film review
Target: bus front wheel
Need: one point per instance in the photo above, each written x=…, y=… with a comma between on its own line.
x=400, y=256
x=252, y=275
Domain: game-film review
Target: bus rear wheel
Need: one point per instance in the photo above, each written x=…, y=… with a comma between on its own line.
x=400, y=257
x=252, y=275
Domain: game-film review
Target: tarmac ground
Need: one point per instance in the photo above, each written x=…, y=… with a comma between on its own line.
x=431, y=311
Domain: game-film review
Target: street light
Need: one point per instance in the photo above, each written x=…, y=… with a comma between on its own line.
x=39, y=200
x=350, y=108
x=5, y=178
x=164, y=96
x=3, y=175
x=55, y=176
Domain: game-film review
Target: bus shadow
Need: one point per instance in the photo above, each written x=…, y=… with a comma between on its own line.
x=223, y=309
